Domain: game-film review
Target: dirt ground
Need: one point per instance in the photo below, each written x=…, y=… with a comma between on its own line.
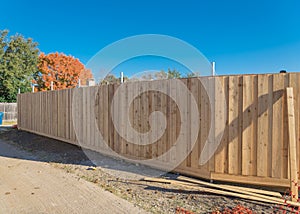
x=28, y=185
x=66, y=170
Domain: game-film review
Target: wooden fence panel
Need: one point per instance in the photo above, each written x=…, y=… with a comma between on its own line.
x=254, y=143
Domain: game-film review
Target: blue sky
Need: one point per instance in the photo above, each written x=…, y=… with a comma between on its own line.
x=241, y=36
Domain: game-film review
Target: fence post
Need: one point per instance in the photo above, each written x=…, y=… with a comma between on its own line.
x=213, y=68
x=292, y=144
x=122, y=77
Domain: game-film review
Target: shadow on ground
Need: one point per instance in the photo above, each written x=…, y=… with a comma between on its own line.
x=38, y=148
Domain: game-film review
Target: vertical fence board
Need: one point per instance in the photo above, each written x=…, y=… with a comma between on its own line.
x=88, y=116
x=285, y=144
x=204, y=118
x=189, y=125
x=117, y=116
x=248, y=146
x=292, y=143
x=263, y=125
x=125, y=116
x=67, y=114
x=105, y=113
x=277, y=131
x=221, y=153
x=83, y=112
x=295, y=84
x=111, y=128
x=48, y=113
x=153, y=108
x=195, y=151
x=147, y=112
x=212, y=118
x=233, y=146
x=70, y=113
x=254, y=133
x=164, y=138
x=183, y=115
x=145, y=117
x=173, y=120
x=136, y=119
x=131, y=92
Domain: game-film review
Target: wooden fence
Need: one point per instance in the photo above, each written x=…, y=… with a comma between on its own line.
x=9, y=110
x=253, y=148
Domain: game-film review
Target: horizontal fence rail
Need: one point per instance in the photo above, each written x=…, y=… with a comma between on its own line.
x=251, y=147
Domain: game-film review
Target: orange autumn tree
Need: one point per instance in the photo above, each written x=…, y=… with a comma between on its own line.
x=62, y=70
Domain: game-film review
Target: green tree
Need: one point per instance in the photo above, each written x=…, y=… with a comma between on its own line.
x=170, y=74
x=18, y=65
x=173, y=74
x=110, y=79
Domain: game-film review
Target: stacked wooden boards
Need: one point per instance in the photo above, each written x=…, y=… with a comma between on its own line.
x=251, y=194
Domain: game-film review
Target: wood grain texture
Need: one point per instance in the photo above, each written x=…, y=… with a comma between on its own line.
x=292, y=143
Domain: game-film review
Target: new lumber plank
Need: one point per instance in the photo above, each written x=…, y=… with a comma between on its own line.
x=195, y=151
x=248, y=124
x=241, y=194
x=264, y=109
x=233, y=120
x=204, y=118
x=220, y=116
x=292, y=144
x=277, y=126
x=226, y=186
